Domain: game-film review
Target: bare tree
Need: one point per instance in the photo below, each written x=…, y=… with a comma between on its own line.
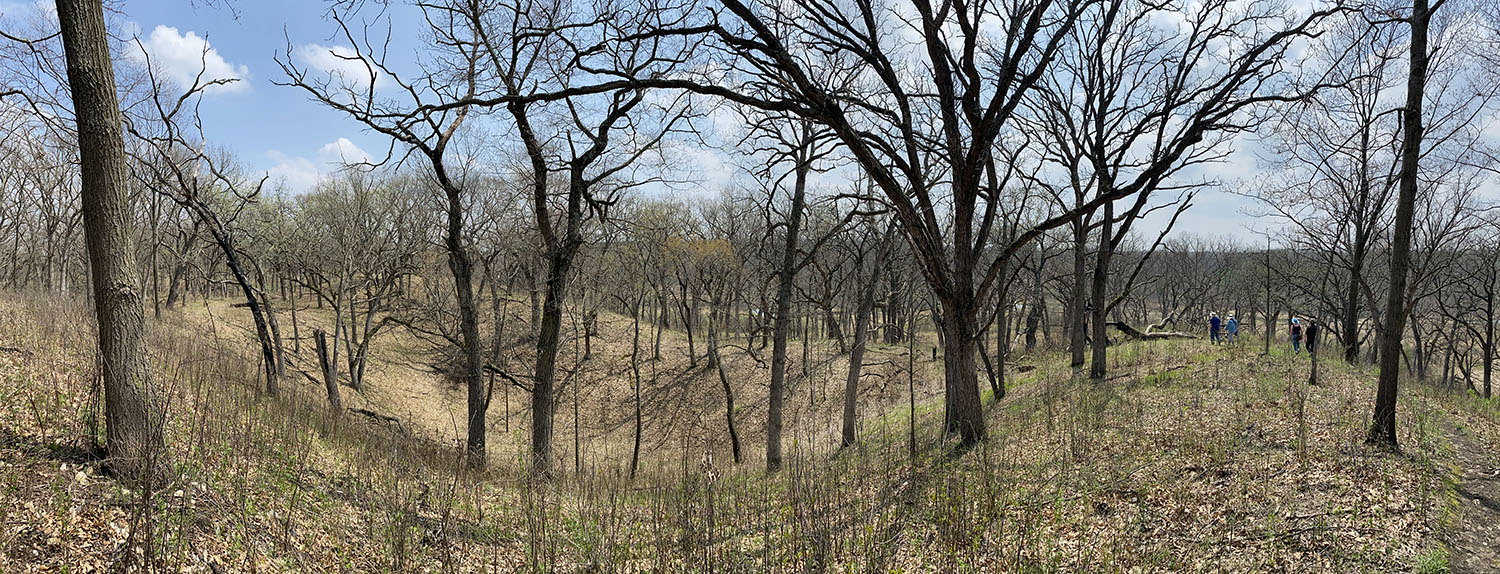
x=1383, y=429
x=875, y=251
x=1156, y=102
x=133, y=414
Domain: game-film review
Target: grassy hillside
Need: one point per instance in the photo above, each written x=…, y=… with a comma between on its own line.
x=1190, y=458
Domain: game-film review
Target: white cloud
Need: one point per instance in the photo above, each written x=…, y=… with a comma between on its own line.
x=341, y=152
x=182, y=57
x=300, y=174
x=342, y=64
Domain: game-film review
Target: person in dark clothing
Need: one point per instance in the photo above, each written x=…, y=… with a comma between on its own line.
x=1312, y=337
x=1213, y=329
x=1296, y=336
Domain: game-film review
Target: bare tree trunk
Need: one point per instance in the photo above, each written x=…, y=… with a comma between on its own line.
x=1002, y=338
x=689, y=310
x=133, y=414
x=782, y=319
x=1488, y=347
x=635, y=371
x=1098, y=364
x=1271, y=312
x=718, y=361
x=543, y=388
x=1383, y=427
x=862, y=314
x=1357, y=261
x=296, y=336
x=1076, y=305
x=462, y=268
x=964, y=414
x=330, y=372
x=178, y=280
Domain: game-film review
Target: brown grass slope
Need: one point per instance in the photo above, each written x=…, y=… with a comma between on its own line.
x=1191, y=459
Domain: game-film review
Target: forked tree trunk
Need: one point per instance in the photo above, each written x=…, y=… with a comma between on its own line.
x=329, y=371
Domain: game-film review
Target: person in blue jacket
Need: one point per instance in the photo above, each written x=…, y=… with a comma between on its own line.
x=1213, y=328
x=1296, y=336
x=1231, y=328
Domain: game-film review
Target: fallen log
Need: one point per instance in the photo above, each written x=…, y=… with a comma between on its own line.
x=1134, y=333
x=379, y=418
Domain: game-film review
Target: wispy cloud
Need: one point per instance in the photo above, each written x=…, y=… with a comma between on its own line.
x=300, y=174
x=342, y=65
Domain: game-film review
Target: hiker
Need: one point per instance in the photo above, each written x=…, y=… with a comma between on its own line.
x=1312, y=337
x=1296, y=336
x=1231, y=328
x=1213, y=329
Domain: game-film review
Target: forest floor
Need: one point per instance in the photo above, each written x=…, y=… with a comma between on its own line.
x=1474, y=536
x=1189, y=458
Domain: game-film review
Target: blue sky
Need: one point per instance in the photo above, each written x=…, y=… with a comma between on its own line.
x=272, y=128
x=278, y=130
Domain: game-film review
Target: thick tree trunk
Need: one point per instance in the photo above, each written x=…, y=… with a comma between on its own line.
x=133, y=414
x=543, y=389
x=1383, y=426
x=1098, y=364
x=1076, y=334
x=965, y=415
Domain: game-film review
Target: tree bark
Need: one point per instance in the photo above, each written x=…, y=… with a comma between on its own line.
x=1076, y=303
x=330, y=373
x=462, y=268
x=1383, y=426
x=965, y=415
x=1350, y=328
x=718, y=361
x=1098, y=364
x=635, y=371
x=862, y=314
x=133, y=414
x=782, y=319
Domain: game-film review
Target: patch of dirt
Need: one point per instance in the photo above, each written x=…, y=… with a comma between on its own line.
x=1475, y=537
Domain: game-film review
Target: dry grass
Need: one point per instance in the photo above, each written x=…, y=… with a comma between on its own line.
x=1191, y=459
